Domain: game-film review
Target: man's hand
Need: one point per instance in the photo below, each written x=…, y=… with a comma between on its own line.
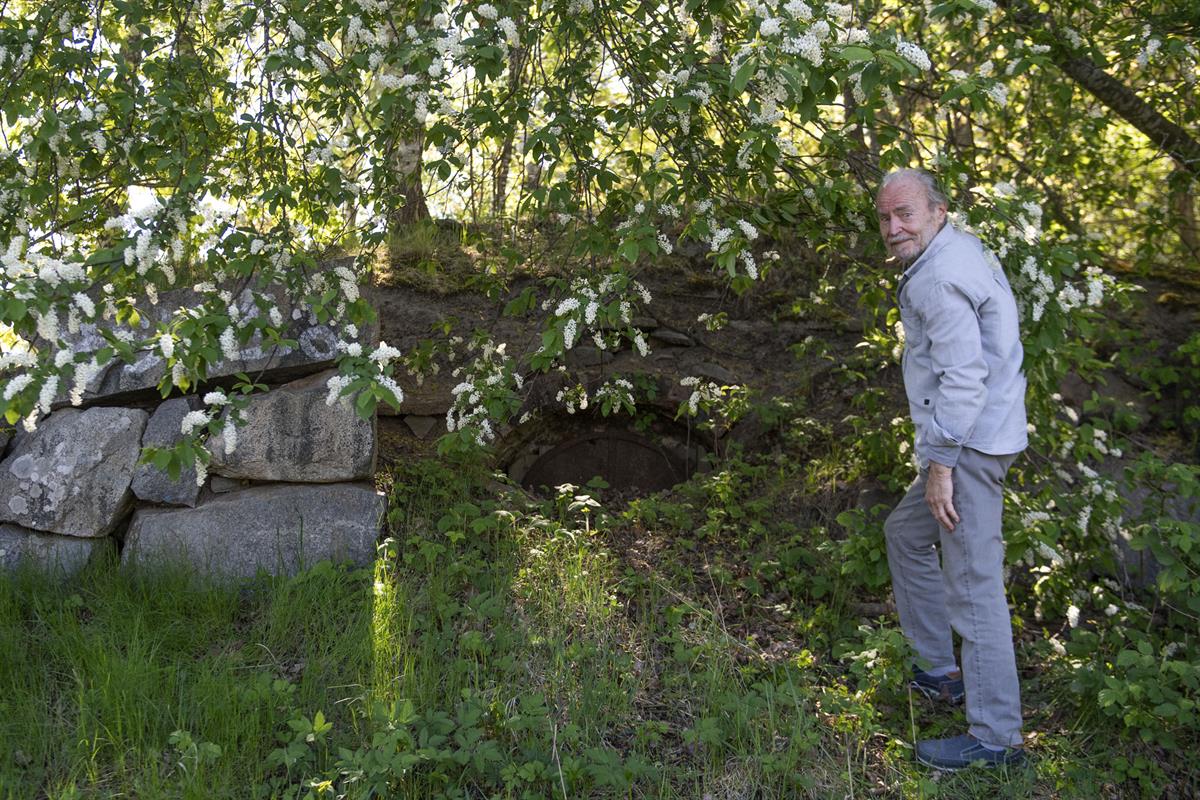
x=939, y=495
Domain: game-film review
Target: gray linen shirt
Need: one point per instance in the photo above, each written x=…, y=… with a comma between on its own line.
x=962, y=352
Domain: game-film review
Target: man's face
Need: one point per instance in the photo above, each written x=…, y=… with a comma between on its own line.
x=906, y=221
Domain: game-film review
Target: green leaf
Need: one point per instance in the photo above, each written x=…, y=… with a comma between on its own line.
x=742, y=77
x=629, y=250
x=854, y=53
x=14, y=310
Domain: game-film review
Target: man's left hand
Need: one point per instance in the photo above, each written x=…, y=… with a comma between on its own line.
x=939, y=495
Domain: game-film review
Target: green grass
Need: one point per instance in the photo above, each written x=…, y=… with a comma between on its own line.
x=701, y=645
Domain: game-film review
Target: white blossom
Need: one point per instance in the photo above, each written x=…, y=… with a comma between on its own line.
x=17, y=385
x=85, y=371
x=913, y=54
x=193, y=420
x=799, y=9
x=384, y=353
x=229, y=344
x=335, y=385
x=201, y=471
x=230, y=434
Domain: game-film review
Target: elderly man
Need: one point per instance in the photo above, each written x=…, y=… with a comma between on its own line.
x=966, y=394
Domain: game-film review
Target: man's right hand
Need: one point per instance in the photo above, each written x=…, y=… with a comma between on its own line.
x=939, y=495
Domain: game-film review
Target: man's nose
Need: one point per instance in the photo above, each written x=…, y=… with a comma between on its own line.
x=894, y=226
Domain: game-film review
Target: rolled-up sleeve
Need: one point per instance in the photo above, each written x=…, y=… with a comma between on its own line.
x=956, y=352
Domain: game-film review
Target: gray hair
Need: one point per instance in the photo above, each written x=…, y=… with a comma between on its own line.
x=933, y=192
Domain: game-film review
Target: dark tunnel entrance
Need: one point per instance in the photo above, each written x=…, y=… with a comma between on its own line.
x=626, y=461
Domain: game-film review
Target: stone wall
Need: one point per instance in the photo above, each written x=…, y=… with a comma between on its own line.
x=296, y=489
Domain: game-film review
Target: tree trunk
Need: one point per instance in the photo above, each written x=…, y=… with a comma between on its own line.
x=1183, y=206
x=500, y=183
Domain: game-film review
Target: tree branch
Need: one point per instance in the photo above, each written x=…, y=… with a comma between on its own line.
x=1173, y=139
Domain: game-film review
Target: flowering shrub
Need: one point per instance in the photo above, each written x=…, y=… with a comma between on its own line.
x=218, y=147
x=210, y=145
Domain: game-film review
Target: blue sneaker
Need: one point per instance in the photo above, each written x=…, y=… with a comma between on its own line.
x=963, y=751
x=943, y=688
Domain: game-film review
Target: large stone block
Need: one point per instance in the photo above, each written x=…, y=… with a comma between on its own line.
x=280, y=529
x=22, y=548
x=72, y=475
x=290, y=434
x=120, y=382
x=163, y=430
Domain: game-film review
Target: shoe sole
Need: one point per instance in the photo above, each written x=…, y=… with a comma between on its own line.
x=983, y=763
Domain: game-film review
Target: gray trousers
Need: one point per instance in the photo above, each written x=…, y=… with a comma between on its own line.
x=965, y=593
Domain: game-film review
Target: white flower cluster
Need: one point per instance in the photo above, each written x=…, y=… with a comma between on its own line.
x=580, y=311
x=702, y=391
x=193, y=420
x=720, y=236
x=808, y=46
x=1050, y=554
x=377, y=369
x=38, y=268
x=841, y=12
x=573, y=398
x=1040, y=284
x=1068, y=297
x=348, y=281
x=1153, y=45
x=229, y=433
x=488, y=13
x=799, y=9
x=617, y=393
x=998, y=92
x=490, y=375
x=17, y=385
x=718, y=239
x=1036, y=288
x=853, y=36
x=336, y=385
x=913, y=54
x=85, y=371
x=384, y=354
x=229, y=344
